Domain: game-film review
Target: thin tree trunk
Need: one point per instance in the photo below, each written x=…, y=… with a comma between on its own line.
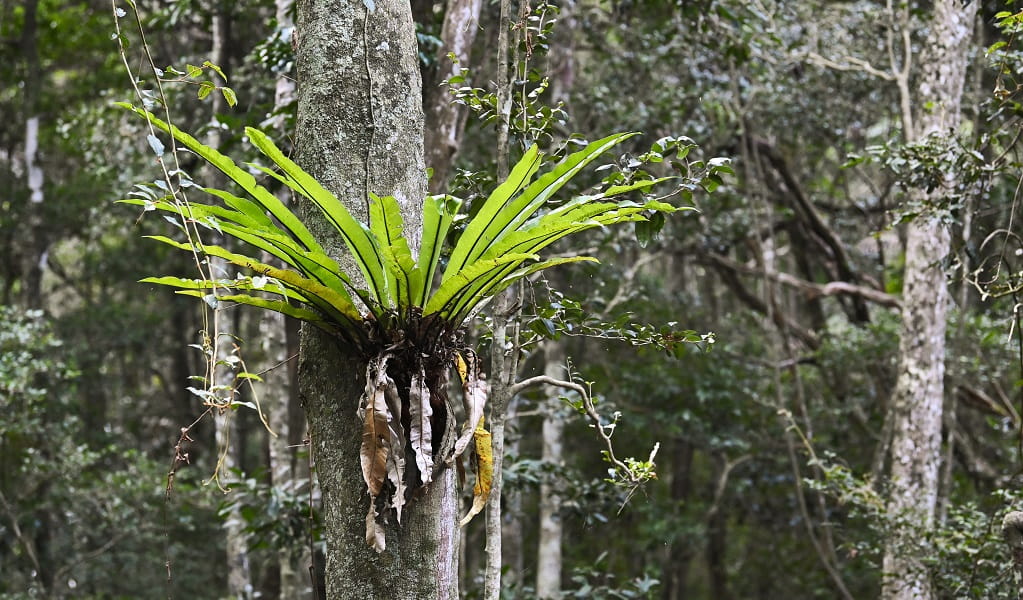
x=293, y=572
x=1012, y=533
x=277, y=399
x=239, y=575
x=284, y=89
x=502, y=362
x=919, y=391
x=562, y=67
x=676, y=567
x=360, y=129
x=35, y=250
x=445, y=119
x=229, y=443
x=548, y=558
x=511, y=513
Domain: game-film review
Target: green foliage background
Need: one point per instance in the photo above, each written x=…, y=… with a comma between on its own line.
x=94, y=367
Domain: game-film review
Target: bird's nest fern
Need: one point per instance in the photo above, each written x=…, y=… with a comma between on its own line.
x=405, y=319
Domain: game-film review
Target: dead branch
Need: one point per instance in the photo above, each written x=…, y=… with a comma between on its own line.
x=978, y=398
x=812, y=290
x=722, y=482
x=625, y=285
x=25, y=542
x=848, y=63
x=828, y=239
x=731, y=280
x=1007, y=402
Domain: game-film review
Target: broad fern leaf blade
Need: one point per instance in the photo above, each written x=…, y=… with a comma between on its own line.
x=335, y=303
x=357, y=236
x=438, y=212
x=246, y=181
x=492, y=217
x=405, y=281
x=456, y=291
x=496, y=221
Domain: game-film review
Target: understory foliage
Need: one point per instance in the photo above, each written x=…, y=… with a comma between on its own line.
x=404, y=326
x=64, y=504
x=796, y=264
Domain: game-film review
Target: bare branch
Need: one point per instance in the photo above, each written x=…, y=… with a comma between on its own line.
x=719, y=489
x=848, y=63
x=25, y=542
x=588, y=408
x=94, y=553
x=812, y=290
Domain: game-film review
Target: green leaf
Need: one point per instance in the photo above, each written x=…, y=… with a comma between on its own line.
x=473, y=240
x=449, y=297
x=648, y=230
x=194, y=211
x=334, y=302
x=438, y=212
x=497, y=286
x=405, y=280
x=218, y=70
x=291, y=224
x=229, y=96
x=540, y=266
x=499, y=216
x=357, y=236
x=277, y=306
x=205, y=88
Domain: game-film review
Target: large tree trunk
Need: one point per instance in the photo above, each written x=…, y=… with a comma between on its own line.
x=919, y=391
x=360, y=129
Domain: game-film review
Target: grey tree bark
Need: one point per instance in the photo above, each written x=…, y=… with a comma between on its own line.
x=548, y=555
x=919, y=392
x=512, y=559
x=503, y=347
x=239, y=579
x=360, y=129
x=286, y=473
x=1012, y=533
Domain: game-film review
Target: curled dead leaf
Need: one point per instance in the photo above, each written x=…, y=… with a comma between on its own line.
x=484, y=467
x=374, y=531
x=421, y=431
x=474, y=391
x=376, y=443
